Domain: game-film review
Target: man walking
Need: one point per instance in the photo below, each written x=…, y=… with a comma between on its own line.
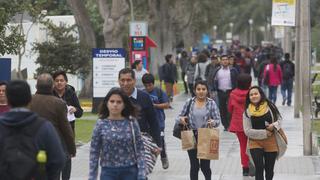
x=24, y=133
x=287, y=68
x=55, y=110
x=224, y=80
x=148, y=122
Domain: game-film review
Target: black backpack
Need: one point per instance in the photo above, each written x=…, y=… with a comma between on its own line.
x=287, y=71
x=18, y=151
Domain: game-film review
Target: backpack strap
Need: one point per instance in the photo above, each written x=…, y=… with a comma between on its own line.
x=159, y=93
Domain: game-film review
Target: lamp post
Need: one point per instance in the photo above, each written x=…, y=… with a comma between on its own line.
x=231, y=29
x=250, y=21
x=215, y=31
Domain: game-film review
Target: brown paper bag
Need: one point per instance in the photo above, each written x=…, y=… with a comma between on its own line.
x=188, y=141
x=208, y=143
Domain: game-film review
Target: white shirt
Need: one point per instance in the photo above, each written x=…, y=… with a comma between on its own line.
x=224, y=79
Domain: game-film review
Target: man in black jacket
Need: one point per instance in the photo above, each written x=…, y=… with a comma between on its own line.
x=45, y=136
x=287, y=68
x=147, y=119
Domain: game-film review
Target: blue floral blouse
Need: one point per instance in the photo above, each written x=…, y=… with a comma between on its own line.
x=112, y=142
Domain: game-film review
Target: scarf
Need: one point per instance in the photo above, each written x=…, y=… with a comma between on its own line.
x=258, y=111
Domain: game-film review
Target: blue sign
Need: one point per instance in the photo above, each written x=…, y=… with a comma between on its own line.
x=5, y=69
x=108, y=53
x=205, y=39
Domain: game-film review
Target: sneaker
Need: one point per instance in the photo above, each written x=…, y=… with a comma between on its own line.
x=283, y=102
x=245, y=171
x=165, y=163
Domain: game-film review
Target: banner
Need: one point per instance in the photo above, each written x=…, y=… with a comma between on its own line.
x=283, y=12
x=107, y=63
x=5, y=69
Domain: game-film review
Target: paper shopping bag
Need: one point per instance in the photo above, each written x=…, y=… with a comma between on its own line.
x=208, y=143
x=188, y=141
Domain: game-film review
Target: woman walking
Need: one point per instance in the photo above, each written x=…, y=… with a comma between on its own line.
x=260, y=121
x=236, y=106
x=273, y=75
x=203, y=111
x=116, y=141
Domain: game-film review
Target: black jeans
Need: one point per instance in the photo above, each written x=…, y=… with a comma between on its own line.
x=184, y=82
x=66, y=171
x=191, y=89
x=223, y=97
x=195, y=163
x=263, y=161
x=163, y=153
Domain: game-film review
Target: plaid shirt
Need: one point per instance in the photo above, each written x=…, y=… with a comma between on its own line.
x=212, y=112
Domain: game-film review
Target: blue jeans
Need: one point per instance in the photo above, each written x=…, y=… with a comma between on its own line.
x=273, y=93
x=286, y=90
x=121, y=173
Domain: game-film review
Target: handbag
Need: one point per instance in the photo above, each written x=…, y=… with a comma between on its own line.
x=281, y=140
x=149, y=148
x=179, y=127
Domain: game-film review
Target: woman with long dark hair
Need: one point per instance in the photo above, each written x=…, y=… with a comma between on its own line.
x=116, y=140
x=273, y=74
x=260, y=121
x=202, y=112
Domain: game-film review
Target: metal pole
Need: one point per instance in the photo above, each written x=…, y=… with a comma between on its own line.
x=297, y=83
x=305, y=54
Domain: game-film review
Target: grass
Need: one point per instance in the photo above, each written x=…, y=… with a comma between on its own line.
x=84, y=127
x=316, y=126
x=84, y=130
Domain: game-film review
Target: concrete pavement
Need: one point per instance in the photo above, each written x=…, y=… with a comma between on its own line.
x=293, y=165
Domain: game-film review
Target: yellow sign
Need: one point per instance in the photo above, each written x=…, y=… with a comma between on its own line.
x=289, y=2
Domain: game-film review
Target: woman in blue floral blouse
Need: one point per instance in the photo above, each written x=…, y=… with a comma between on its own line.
x=113, y=142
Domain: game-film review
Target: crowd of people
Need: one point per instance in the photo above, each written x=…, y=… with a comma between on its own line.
x=131, y=118
x=37, y=132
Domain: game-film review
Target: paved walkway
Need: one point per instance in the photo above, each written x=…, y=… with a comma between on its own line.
x=293, y=166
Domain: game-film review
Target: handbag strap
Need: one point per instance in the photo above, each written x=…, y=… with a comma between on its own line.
x=133, y=138
x=188, y=108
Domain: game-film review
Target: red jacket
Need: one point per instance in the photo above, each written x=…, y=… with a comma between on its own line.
x=275, y=76
x=236, y=107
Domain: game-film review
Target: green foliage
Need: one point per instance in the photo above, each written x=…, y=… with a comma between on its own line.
x=62, y=51
x=12, y=38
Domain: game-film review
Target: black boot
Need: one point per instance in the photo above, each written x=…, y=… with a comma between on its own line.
x=245, y=171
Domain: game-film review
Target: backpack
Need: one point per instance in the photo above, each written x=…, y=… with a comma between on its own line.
x=161, y=72
x=286, y=71
x=18, y=151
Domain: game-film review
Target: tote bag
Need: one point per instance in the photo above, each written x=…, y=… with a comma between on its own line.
x=208, y=143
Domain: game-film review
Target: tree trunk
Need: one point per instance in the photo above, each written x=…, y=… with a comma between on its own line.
x=87, y=37
x=114, y=22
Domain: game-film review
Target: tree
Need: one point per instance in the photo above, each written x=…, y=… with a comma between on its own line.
x=62, y=52
x=10, y=39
